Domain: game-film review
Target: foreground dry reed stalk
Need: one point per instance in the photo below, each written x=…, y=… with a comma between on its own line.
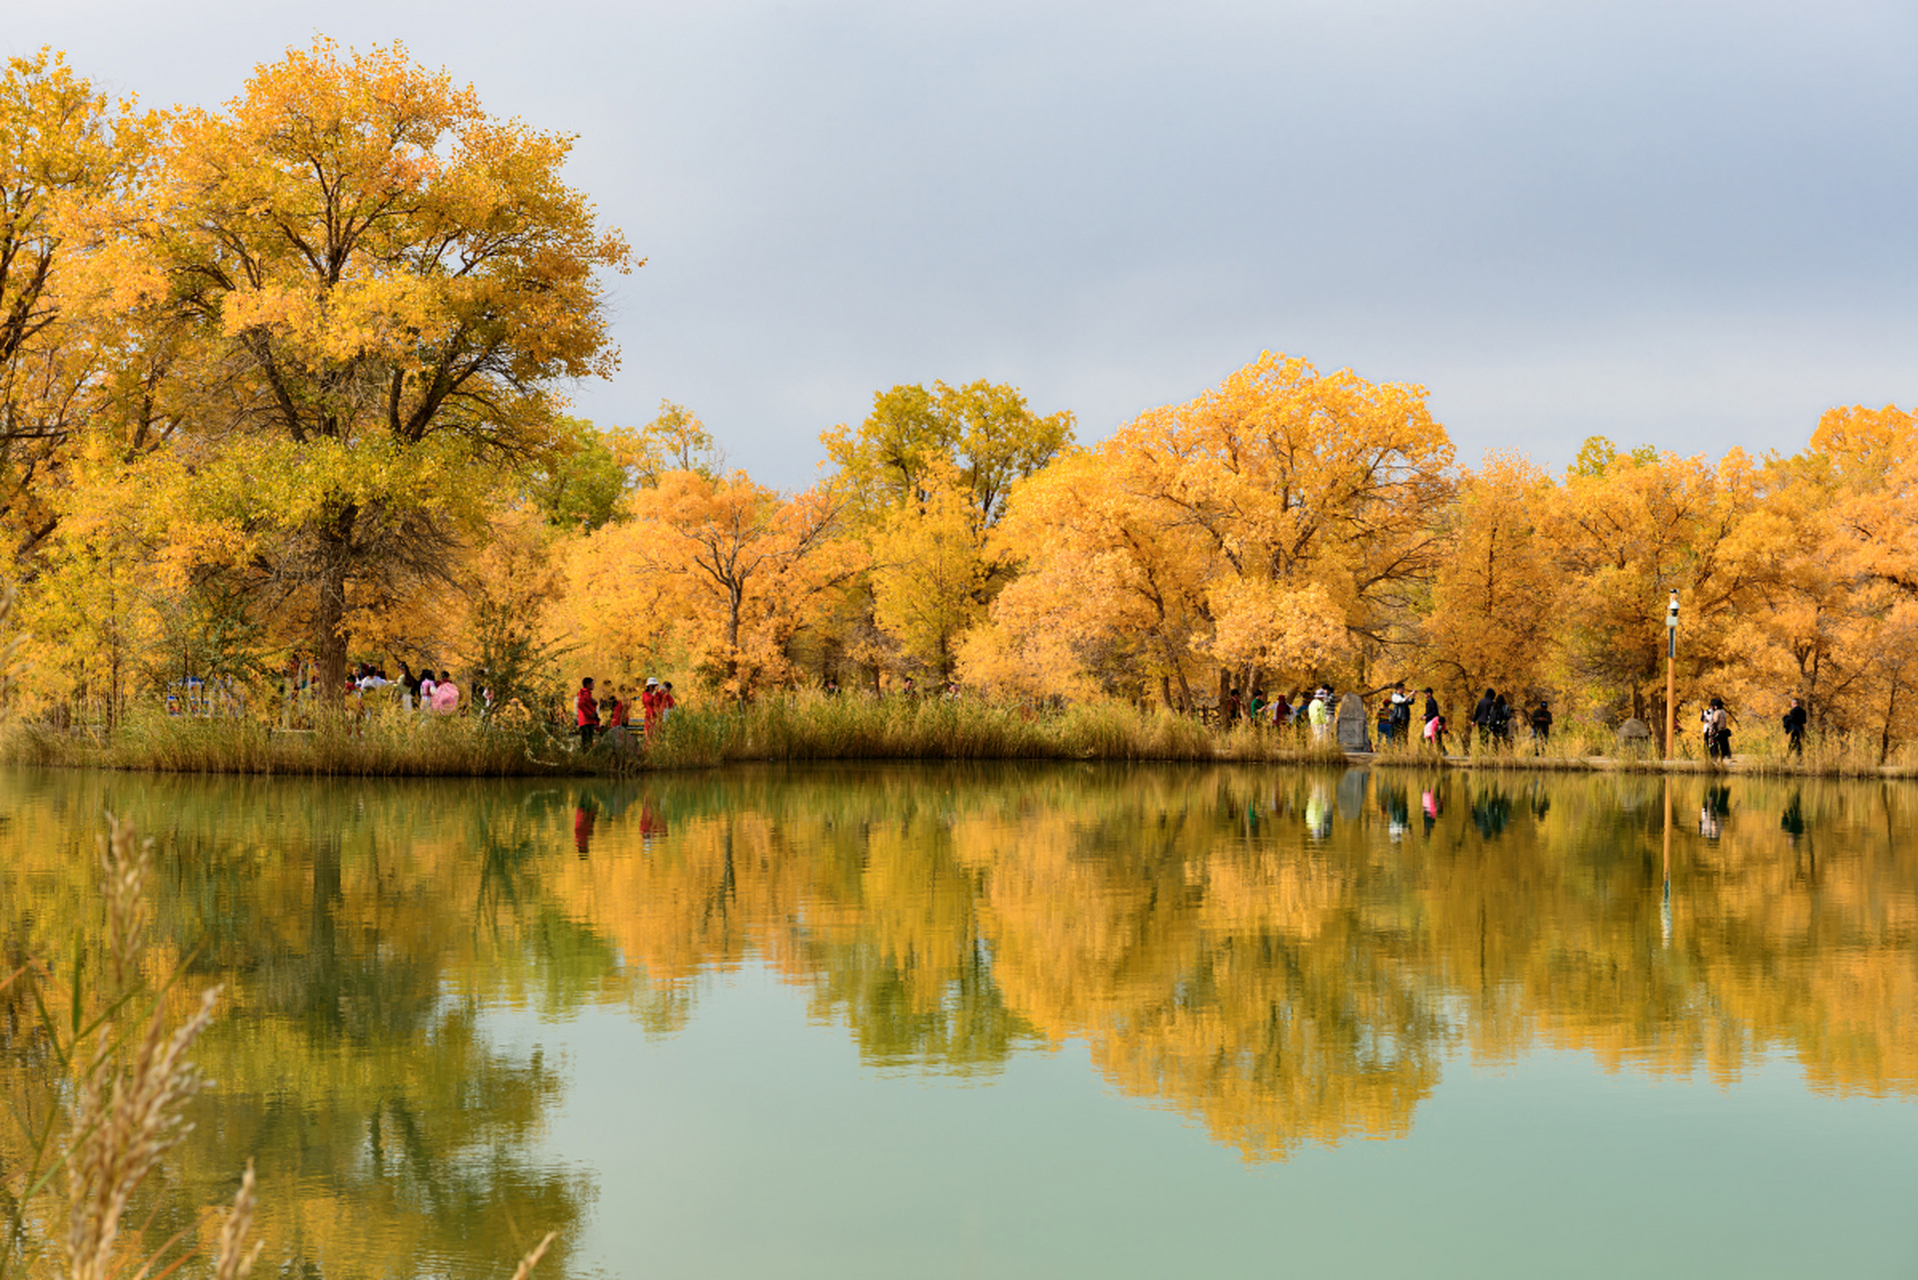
x=531, y=1260
x=129, y=1112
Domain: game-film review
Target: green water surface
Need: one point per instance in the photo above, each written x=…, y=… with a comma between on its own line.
x=1030, y=1021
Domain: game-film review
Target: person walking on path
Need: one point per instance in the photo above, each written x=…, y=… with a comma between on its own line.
x=1320, y=713
x=1718, y=731
x=1541, y=726
x=1795, y=728
x=586, y=711
x=446, y=694
x=1483, y=717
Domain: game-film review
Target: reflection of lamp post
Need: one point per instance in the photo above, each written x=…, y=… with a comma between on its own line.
x=1671, y=680
x=1665, y=898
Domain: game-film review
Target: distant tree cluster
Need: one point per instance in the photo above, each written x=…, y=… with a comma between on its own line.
x=283, y=378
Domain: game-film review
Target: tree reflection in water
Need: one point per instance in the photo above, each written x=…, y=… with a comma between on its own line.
x=1286, y=956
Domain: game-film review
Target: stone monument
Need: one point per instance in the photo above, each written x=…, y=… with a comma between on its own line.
x=1634, y=737
x=1352, y=726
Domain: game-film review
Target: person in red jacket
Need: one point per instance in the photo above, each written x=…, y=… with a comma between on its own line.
x=652, y=703
x=587, y=707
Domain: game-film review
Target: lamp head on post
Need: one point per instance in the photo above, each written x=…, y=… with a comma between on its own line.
x=1671, y=611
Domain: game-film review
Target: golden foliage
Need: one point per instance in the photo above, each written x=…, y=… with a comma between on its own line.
x=1273, y=524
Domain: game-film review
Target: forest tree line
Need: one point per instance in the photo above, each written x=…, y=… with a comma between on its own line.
x=285, y=379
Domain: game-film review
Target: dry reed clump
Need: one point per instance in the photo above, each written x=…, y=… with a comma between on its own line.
x=116, y=1110
x=107, y=1110
x=387, y=742
x=808, y=725
x=812, y=726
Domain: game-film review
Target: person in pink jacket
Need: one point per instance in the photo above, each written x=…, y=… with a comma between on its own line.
x=446, y=694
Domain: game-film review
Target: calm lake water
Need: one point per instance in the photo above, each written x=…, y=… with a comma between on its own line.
x=1035, y=1021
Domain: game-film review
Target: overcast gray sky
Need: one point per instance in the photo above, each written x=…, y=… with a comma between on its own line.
x=1682, y=223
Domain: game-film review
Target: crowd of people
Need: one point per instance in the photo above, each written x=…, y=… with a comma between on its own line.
x=424, y=691
x=427, y=691
x=1494, y=719
x=611, y=714
x=1493, y=724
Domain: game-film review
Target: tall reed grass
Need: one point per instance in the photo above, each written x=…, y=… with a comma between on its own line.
x=808, y=725
x=389, y=742
x=98, y=1081
x=96, y=1119
x=812, y=726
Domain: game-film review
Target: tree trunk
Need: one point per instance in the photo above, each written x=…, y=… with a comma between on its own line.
x=734, y=594
x=1185, y=691
x=1891, y=713
x=329, y=636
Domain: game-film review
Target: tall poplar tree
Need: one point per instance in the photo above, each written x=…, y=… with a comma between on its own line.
x=384, y=286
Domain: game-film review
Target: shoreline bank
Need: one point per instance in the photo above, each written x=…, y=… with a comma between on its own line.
x=567, y=763
x=812, y=728
x=1749, y=767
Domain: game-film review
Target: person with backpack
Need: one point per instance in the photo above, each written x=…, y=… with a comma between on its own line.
x=1401, y=705
x=1541, y=726
x=1482, y=718
x=1718, y=731
x=1795, y=728
x=1502, y=721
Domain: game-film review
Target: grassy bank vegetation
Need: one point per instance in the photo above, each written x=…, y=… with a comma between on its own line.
x=1762, y=751
x=395, y=744
x=796, y=727
x=807, y=726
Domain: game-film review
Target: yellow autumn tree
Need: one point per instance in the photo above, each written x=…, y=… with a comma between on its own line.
x=1855, y=504
x=1495, y=598
x=1624, y=531
x=928, y=577
x=926, y=479
x=63, y=145
x=384, y=285
x=738, y=570
x=1272, y=528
